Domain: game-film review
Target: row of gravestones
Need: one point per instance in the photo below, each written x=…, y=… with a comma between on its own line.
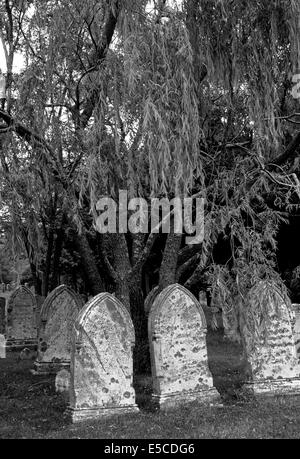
x=96, y=342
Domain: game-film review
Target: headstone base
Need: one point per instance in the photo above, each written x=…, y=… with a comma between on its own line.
x=80, y=415
x=169, y=401
x=288, y=386
x=18, y=345
x=50, y=368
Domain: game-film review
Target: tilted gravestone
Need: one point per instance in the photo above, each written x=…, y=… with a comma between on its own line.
x=101, y=362
x=177, y=337
x=296, y=308
x=21, y=328
x=57, y=318
x=269, y=340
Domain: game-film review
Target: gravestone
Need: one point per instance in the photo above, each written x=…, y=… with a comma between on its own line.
x=297, y=328
x=21, y=320
x=177, y=338
x=2, y=315
x=57, y=318
x=269, y=340
x=2, y=347
x=62, y=383
x=101, y=362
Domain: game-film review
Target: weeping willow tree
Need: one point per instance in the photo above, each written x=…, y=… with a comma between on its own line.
x=161, y=99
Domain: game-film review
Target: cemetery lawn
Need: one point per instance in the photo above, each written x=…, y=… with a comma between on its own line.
x=30, y=408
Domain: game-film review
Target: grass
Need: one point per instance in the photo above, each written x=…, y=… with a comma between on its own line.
x=30, y=408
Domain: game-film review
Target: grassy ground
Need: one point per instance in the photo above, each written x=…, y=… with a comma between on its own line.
x=30, y=408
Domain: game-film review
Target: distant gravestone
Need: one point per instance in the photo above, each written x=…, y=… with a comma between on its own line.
x=2, y=347
x=62, y=383
x=269, y=340
x=21, y=319
x=2, y=316
x=177, y=336
x=297, y=328
x=101, y=362
x=57, y=319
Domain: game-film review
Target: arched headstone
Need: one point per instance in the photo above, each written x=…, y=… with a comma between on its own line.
x=177, y=335
x=269, y=340
x=101, y=362
x=57, y=318
x=21, y=328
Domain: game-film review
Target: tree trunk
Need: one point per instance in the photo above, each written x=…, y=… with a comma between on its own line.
x=167, y=273
x=89, y=263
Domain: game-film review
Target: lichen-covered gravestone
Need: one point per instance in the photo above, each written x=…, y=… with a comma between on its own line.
x=21, y=328
x=269, y=340
x=101, y=363
x=296, y=308
x=177, y=336
x=57, y=318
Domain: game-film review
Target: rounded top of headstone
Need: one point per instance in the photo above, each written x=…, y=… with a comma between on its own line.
x=54, y=294
x=21, y=290
x=99, y=299
x=167, y=294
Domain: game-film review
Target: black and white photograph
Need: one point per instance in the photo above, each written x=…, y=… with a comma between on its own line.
x=149, y=222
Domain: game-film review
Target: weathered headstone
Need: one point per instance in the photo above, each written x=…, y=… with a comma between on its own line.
x=58, y=315
x=101, y=362
x=2, y=315
x=269, y=340
x=2, y=347
x=297, y=328
x=21, y=319
x=177, y=336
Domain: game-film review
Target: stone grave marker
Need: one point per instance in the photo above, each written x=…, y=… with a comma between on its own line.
x=178, y=351
x=101, y=362
x=2, y=347
x=57, y=317
x=270, y=344
x=21, y=320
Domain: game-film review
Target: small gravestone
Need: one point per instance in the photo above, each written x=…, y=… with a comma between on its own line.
x=57, y=318
x=101, y=362
x=21, y=320
x=2, y=316
x=177, y=335
x=2, y=347
x=62, y=383
x=297, y=328
x=269, y=341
